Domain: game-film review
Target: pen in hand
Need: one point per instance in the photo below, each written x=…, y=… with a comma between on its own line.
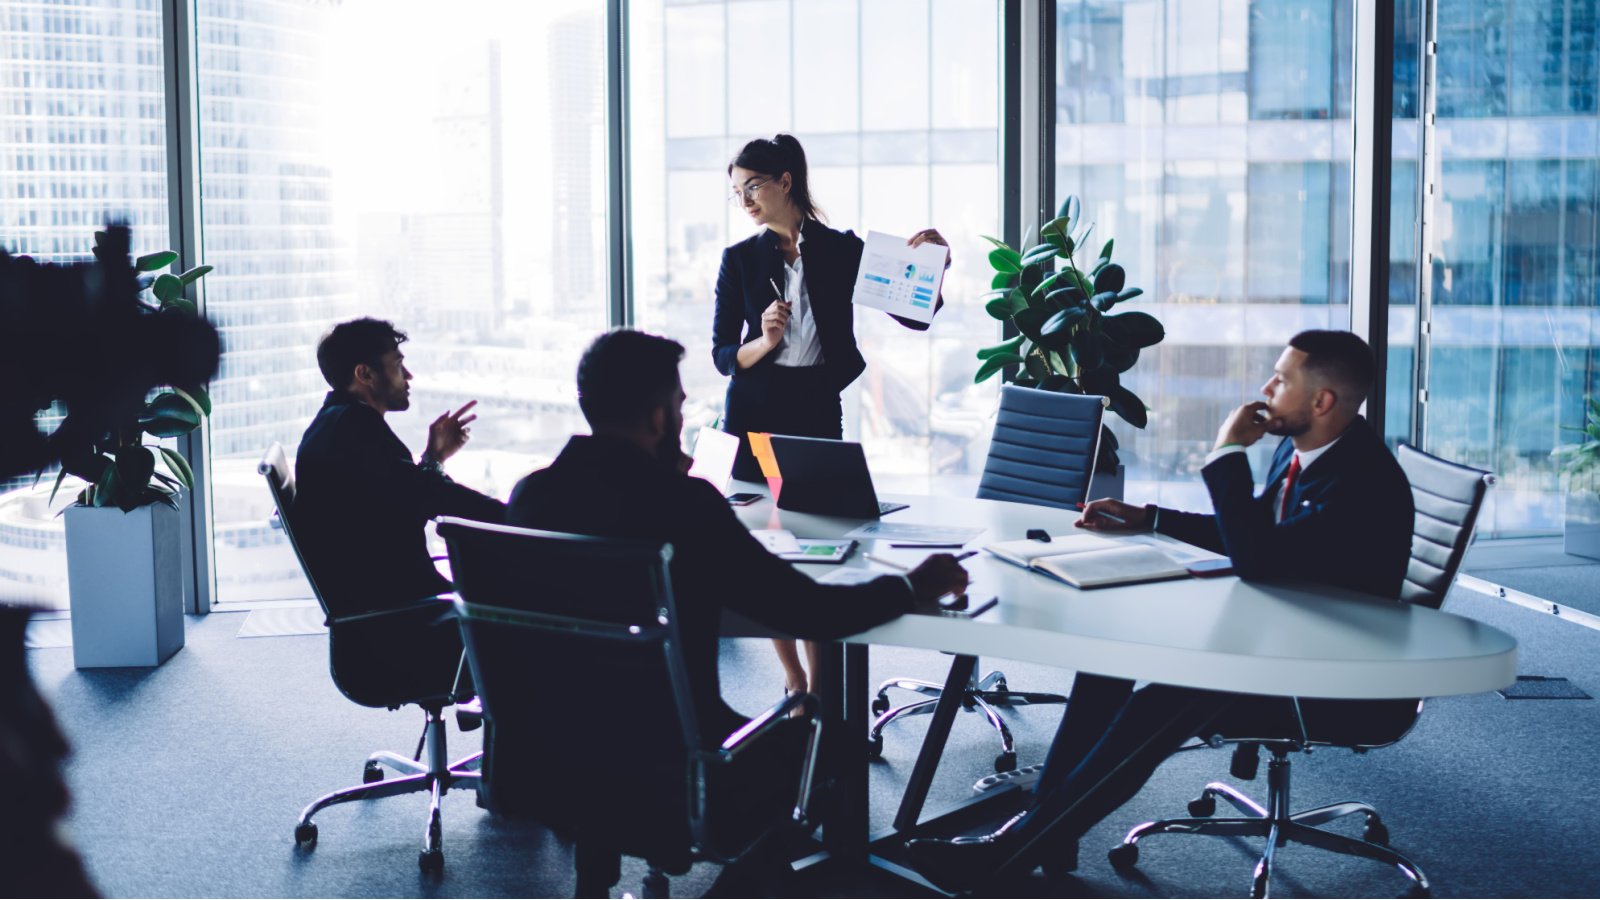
x=1107, y=516
x=777, y=291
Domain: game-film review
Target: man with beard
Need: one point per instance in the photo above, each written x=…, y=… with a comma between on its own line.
x=1337, y=509
x=362, y=503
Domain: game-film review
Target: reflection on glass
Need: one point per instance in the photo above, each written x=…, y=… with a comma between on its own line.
x=1209, y=139
x=897, y=139
x=449, y=177
x=83, y=127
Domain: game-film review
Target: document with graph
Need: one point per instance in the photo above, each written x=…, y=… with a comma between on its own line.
x=900, y=279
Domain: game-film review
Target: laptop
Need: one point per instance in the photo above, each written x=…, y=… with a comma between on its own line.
x=827, y=477
x=714, y=451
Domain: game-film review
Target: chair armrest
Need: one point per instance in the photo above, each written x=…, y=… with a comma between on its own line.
x=752, y=730
x=440, y=604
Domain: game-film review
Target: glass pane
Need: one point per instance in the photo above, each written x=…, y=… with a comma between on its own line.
x=449, y=177
x=1515, y=248
x=897, y=139
x=1210, y=138
x=82, y=140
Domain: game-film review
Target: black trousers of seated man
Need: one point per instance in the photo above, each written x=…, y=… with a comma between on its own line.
x=1113, y=738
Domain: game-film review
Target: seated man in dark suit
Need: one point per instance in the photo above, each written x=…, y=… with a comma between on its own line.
x=1336, y=509
x=629, y=480
x=362, y=502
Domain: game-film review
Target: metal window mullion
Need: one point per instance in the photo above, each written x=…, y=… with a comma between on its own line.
x=618, y=223
x=198, y=551
x=1427, y=189
x=1371, y=175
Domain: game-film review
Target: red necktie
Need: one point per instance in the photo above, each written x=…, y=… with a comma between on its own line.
x=1288, y=486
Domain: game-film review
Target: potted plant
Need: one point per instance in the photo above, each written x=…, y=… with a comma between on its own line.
x=1067, y=339
x=1582, y=535
x=124, y=574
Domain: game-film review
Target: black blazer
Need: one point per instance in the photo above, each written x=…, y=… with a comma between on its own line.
x=361, y=504
x=1349, y=521
x=744, y=291
x=610, y=488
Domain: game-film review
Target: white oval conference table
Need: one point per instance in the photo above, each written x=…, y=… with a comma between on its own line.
x=1221, y=633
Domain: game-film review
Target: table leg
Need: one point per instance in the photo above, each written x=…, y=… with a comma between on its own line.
x=845, y=700
x=944, y=716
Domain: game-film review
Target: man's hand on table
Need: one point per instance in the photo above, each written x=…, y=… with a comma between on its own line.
x=1114, y=515
x=937, y=576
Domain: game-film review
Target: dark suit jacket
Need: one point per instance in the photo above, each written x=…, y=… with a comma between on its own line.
x=361, y=503
x=610, y=488
x=744, y=291
x=1349, y=521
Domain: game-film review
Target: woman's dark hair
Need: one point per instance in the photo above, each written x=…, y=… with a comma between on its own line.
x=773, y=157
x=350, y=344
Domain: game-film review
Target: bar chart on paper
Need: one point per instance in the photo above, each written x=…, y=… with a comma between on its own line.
x=899, y=279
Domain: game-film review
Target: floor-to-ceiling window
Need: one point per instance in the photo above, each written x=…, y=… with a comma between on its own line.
x=896, y=104
x=377, y=158
x=1211, y=139
x=82, y=141
x=1515, y=246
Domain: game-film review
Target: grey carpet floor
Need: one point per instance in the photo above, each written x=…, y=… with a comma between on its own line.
x=187, y=780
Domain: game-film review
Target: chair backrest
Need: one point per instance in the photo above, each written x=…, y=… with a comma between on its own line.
x=1044, y=447
x=575, y=653
x=1448, y=497
x=274, y=466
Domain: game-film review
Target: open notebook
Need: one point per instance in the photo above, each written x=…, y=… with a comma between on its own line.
x=1087, y=561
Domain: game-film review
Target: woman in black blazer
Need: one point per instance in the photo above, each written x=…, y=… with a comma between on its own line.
x=785, y=325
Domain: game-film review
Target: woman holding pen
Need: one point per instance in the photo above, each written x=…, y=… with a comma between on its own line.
x=784, y=328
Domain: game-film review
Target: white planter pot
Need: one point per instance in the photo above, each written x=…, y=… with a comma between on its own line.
x=124, y=578
x=1108, y=484
x=1583, y=524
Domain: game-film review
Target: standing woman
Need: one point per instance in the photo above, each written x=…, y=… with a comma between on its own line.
x=784, y=329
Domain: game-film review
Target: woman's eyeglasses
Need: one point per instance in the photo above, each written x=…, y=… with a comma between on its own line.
x=741, y=196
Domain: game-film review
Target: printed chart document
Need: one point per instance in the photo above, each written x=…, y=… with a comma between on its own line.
x=1087, y=561
x=900, y=279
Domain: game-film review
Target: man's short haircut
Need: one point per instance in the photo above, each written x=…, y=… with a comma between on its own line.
x=350, y=344
x=1339, y=359
x=626, y=374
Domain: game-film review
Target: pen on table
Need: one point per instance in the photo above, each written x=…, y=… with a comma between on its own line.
x=983, y=607
x=921, y=546
x=1108, y=516
x=884, y=562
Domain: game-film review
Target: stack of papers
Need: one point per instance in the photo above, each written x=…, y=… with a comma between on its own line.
x=784, y=545
x=1087, y=561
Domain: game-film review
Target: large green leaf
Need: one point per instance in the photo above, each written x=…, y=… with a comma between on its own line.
x=104, y=489
x=1087, y=350
x=1011, y=346
x=1039, y=254
x=135, y=465
x=1134, y=329
x=1006, y=260
x=1128, y=294
x=993, y=365
x=179, y=467
x=195, y=274
x=1103, y=301
x=1070, y=207
x=996, y=241
x=1120, y=359
x=169, y=415
x=198, y=396
x=1084, y=284
x=999, y=308
x=181, y=305
x=168, y=288
x=154, y=262
x=1063, y=321
x=1030, y=320
x=1002, y=280
x=1111, y=278
x=1100, y=381
x=1127, y=404
x=1061, y=384
x=1105, y=252
x=1037, y=367
x=1049, y=281
x=60, y=476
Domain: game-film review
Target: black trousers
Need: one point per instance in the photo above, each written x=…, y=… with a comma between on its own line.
x=797, y=400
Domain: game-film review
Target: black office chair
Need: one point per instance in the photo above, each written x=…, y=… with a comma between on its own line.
x=1448, y=498
x=1043, y=452
x=597, y=616
x=388, y=680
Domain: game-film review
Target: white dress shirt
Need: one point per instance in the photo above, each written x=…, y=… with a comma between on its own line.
x=801, y=347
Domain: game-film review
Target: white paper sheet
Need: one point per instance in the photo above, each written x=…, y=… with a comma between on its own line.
x=851, y=576
x=900, y=279
x=776, y=540
x=908, y=533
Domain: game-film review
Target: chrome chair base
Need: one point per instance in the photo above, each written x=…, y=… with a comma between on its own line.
x=1279, y=826
x=981, y=695
x=435, y=776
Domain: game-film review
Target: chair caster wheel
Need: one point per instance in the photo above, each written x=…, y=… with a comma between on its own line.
x=306, y=834
x=371, y=772
x=1005, y=762
x=875, y=747
x=1123, y=857
x=1001, y=686
x=880, y=705
x=431, y=860
x=1203, y=806
x=1376, y=833
x=1258, y=887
